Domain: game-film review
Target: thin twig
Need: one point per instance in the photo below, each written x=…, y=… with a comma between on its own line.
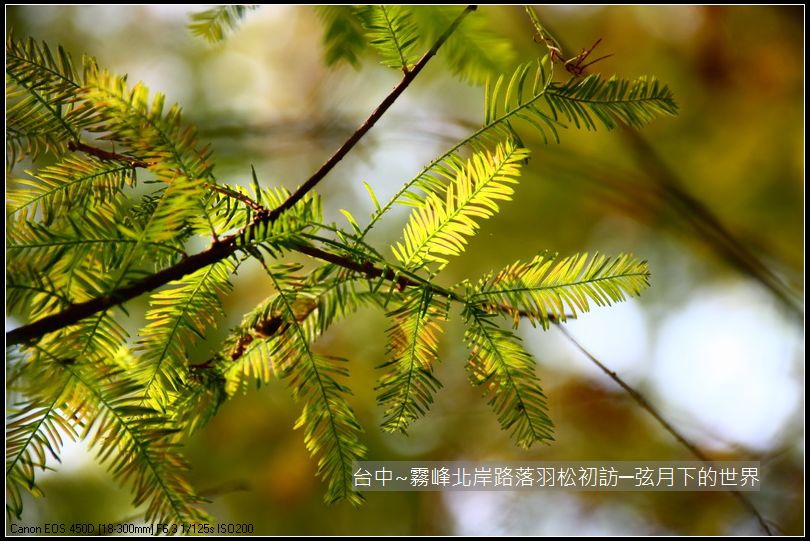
x=239, y=197
x=371, y=120
x=227, y=246
x=106, y=154
x=136, y=163
x=649, y=408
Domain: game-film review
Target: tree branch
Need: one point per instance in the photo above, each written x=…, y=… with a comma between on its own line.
x=227, y=246
x=136, y=163
x=106, y=154
x=371, y=120
x=371, y=271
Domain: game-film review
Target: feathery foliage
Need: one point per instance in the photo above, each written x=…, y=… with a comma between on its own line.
x=331, y=429
x=400, y=33
x=214, y=24
x=524, y=97
x=35, y=430
x=611, y=101
x=393, y=33
x=550, y=288
x=344, y=37
x=439, y=228
x=178, y=316
x=73, y=183
x=317, y=300
x=144, y=453
x=134, y=442
x=42, y=113
x=81, y=234
x=505, y=371
x=407, y=386
x=474, y=51
x=151, y=133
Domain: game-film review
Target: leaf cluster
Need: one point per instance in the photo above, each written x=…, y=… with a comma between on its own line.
x=121, y=188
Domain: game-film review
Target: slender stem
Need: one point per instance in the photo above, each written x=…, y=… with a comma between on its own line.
x=106, y=154
x=227, y=246
x=639, y=399
x=372, y=119
x=135, y=163
x=238, y=196
x=400, y=277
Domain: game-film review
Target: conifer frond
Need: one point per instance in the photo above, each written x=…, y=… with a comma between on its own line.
x=199, y=400
x=291, y=226
x=177, y=317
x=330, y=426
x=95, y=240
x=136, y=444
x=324, y=296
x=78, y=400
x=275, y=338
x=392, y=32
x=344, y=37
x=440, y=227
x=505, y=370
x=42, y=111
x=530, y=95
x=151, y=133
x=497, y=127
x=550, y=287
x=176, y=207
x=35, y=430
x=400, y=33
x=96, y=339
x=583, y=102
x=407, y=386
x=35, y=293
x=74, y=182
x=110, y=264
x=579, y=101
x=213, y=24
x=473, y=51
x=519, y=98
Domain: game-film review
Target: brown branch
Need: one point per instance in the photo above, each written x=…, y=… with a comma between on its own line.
x=136, y=163
x=76, y=312
x=371, y=120
x=227, y=246
x=639, y=399
x=239, y=197
x=106, y=154
x=370, y=271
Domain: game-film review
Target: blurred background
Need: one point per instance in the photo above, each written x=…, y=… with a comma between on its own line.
x=713, y=199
